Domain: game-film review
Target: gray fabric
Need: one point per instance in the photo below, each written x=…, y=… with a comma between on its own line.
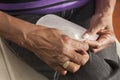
x=99, y=67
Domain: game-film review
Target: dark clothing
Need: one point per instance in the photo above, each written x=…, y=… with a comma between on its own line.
x=101, y=66
x=40, y=6
x=15, y=1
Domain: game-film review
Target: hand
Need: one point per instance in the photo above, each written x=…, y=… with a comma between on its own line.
x=54, y=48
x=101, y=25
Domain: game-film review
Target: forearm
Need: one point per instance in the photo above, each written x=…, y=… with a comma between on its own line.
x=14, y=29
x=105, y=7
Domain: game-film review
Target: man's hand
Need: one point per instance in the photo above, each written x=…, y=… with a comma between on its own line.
x=102, y=26
x=54, y=48
x=50, y=45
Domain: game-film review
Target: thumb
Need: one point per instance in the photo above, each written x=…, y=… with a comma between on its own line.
x=91, y=32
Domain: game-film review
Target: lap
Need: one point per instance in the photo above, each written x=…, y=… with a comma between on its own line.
x=99, y=64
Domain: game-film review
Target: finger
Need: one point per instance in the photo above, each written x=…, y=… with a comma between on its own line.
x=78, y=45
x=92, y=31
x=106, y=38
x=107, y=34
x=93, y=44
x=97, y=50
x=79, y=58
x=70, y=51
x=100, y=43
x=96, y=46
x=61, y=70
x=72, y=43
x=73, y=67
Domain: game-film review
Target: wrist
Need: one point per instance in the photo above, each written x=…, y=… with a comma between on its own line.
x=108, y=13
x=104, y=15
x=24, y=40
x=105, y=7
x=14, y=29
x=18, y=35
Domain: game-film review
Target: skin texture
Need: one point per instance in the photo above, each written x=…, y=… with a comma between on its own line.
x=49, y=44
x=55, y=48
x=101, y=24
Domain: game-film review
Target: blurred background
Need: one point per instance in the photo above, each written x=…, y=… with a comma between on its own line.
x=116, y=20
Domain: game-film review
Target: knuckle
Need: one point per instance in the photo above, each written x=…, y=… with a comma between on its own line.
x=85, y=46
x=66, y=39
x=66, y=49
x=57, y=60
x=97, y=45
x=76, y=59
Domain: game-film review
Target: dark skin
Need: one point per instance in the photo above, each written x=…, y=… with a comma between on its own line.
x=49, y=44
x=55, y=48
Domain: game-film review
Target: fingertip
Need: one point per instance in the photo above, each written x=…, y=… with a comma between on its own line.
x=86, y=36
x=64, y=73
x=85, y=59
x=76, y=68
x=93, y=51
x=61, y=70
x=73, y=67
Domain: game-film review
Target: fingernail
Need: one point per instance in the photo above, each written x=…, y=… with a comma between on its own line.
x=86, y=36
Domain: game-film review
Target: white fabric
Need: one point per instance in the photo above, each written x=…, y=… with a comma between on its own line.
x=118, y=47
x=68, y=28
